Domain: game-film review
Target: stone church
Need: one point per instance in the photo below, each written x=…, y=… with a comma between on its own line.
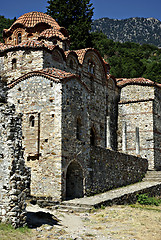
x=83, y=131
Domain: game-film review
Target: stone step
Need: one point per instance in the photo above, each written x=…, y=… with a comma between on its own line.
x=67, y=208
x=123, y=195
x=152, y=179
x=154, y=173
x=153, y=176
x=70, y=203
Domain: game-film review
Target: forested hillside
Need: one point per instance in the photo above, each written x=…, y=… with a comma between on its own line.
x=139, y=30
x=129, y=60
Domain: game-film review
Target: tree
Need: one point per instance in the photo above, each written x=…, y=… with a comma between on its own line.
x=4, y=23
x=76, y=17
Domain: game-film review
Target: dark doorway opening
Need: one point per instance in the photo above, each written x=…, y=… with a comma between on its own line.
x=92, y=137
x=74, y=181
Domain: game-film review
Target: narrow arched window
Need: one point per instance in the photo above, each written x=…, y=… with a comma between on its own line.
x=19, y=38
x=71, y=64
x=14, y=63
x=78, y=129
x=92, y=84
x=91, y=67
x=32, y=121
x=92, y=137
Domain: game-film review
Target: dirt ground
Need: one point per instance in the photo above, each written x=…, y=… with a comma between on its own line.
x=116, y=222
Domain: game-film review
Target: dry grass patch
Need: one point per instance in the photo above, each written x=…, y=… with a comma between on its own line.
x=7, y=232
x=129, y=222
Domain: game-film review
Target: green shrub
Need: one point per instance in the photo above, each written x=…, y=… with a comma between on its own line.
x=143, y=199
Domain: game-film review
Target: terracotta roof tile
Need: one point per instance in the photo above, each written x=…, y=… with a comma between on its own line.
x=54, y=74
x=49, y=33
x=28, y=44
x=4, y=46
x=122, y=82
x=57, y=73
x=81, y=53
x=67, y=53
x=31, y=19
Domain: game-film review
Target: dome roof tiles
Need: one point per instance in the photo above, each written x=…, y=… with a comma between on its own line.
x=31, y=19
x=49, y=33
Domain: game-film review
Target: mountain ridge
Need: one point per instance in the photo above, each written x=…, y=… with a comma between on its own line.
x=135, y=29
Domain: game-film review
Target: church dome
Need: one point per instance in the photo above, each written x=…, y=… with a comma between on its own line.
x=31, y=19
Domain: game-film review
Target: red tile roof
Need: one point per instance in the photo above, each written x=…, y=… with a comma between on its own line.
x=54, y=74
x=57, y=73
x=50, y=33
x=81, y=53
x=4, y=47
x=31, y=19
x=28, y=44
x=122, y=82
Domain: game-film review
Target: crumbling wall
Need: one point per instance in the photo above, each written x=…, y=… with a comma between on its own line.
x=14, y=176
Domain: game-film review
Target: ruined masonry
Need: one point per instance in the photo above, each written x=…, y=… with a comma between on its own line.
x=14, y=176
x=83, y=131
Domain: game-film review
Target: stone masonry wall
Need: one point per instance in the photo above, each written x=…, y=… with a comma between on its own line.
x=135, y=110
x=14, y=175
x=157, y=129
x=39, y=99
x=110, y=169
x=26, y=61
x=75, y=101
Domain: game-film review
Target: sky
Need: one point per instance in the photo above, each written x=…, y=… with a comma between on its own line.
x=117, y=9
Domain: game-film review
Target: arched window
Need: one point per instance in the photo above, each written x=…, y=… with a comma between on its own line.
x=92, y=84
x=71, y=64
x=19, y=38
x=78, y=129
x=32, y=121
x=92, y=137
x=91, y=67
x=14, y=63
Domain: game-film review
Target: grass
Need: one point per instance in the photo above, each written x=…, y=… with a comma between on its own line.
x=144, y=199
x=8, y=232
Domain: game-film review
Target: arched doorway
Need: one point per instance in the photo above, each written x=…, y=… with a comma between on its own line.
x=74, y=181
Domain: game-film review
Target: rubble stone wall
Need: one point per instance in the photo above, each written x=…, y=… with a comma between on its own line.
x=14, y=175
x=110, y=169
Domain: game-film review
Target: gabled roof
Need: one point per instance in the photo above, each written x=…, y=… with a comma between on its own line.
x=81, y=54
x=122, y=82
x=53, y=74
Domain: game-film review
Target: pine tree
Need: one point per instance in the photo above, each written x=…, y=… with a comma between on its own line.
x=76, y=17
